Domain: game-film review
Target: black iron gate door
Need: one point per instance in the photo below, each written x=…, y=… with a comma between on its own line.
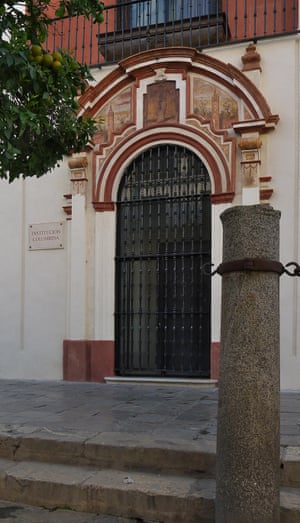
x=163, y=240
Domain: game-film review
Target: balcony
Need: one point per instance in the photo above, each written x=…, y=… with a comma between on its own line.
x=188, y=33
x=139, y=25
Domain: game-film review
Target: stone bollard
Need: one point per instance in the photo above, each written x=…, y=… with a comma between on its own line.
x=248, y=438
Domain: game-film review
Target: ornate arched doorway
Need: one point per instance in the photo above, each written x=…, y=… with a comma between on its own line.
x=217, y=113
x=163, y=239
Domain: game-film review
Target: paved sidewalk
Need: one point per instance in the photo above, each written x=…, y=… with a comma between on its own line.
x=165, y=413
x=81, y=411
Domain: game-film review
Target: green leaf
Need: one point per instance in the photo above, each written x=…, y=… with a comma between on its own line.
x=60, y=12
x=37, y=106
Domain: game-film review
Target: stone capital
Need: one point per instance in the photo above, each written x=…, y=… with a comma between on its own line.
x=246, y=144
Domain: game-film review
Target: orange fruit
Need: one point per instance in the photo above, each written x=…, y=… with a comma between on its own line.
x=47, y=60
x=57, y=65
x=57, y=57
x=100, y=18
x=36, y=50
x=38, y=59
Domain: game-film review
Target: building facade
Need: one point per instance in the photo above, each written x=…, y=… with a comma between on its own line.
x=106, y=261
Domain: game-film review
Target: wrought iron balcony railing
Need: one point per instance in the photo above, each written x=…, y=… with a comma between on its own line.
x=133, y=26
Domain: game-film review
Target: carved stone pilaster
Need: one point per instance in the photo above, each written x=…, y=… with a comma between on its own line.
x=250, y=164
x=79, y=179
x=251, y=169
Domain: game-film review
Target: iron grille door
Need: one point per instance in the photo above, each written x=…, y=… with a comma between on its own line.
x=163, y=239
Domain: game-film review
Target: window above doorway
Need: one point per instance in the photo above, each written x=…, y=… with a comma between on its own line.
x=152, y=12
x=140, y=25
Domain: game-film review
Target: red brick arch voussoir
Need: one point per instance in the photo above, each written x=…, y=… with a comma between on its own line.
x=115, y=163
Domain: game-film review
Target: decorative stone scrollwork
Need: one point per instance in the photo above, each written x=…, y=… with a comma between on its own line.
x=68, y=206
x=250, y=164
x=251, y=59
x=250, y=144
x=185, y=97
x=78, y=168
x=251, y=168
x=265, y=189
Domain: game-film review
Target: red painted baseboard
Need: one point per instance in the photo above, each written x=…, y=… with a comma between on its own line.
x=93, y=360
x=215, y=348
x=88, y=360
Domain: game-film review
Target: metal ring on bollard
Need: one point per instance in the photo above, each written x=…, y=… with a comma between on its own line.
x=250, y=264
x=296, y=271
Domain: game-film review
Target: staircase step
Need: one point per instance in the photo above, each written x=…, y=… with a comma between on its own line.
x=290, y=467
x=11, y=512
x=137, y=495
x=145, y=496
x=134, y=451
x=113, y=450
x=289, y=505
x=199, y=382
x=124, y=475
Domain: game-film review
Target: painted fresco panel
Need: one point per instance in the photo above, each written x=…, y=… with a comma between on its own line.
x=211, y=103
x=114, y=116
x=161, y=103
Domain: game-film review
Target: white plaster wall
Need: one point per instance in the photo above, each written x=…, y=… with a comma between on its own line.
x=39, y=303
x=33, y=283
x=77, y=269
x=105, y=275
x=283, y=164
x=216, y=255
x=12, y=254
x=279, y=82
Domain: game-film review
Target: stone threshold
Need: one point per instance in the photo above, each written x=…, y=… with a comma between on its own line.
x=162, y=381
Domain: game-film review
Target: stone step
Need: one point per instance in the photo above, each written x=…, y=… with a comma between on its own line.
x=289, y=505
x=290, y=467
x=134, y=451
x=145, y=496
x=112, y=450
x=11, y=512
x=188, y=382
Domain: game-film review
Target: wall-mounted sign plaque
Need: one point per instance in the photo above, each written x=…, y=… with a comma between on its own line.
x=46, y=236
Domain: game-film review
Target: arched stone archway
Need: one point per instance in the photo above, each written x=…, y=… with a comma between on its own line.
x=222, y=179
x=175, y=96
x=178, y=95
